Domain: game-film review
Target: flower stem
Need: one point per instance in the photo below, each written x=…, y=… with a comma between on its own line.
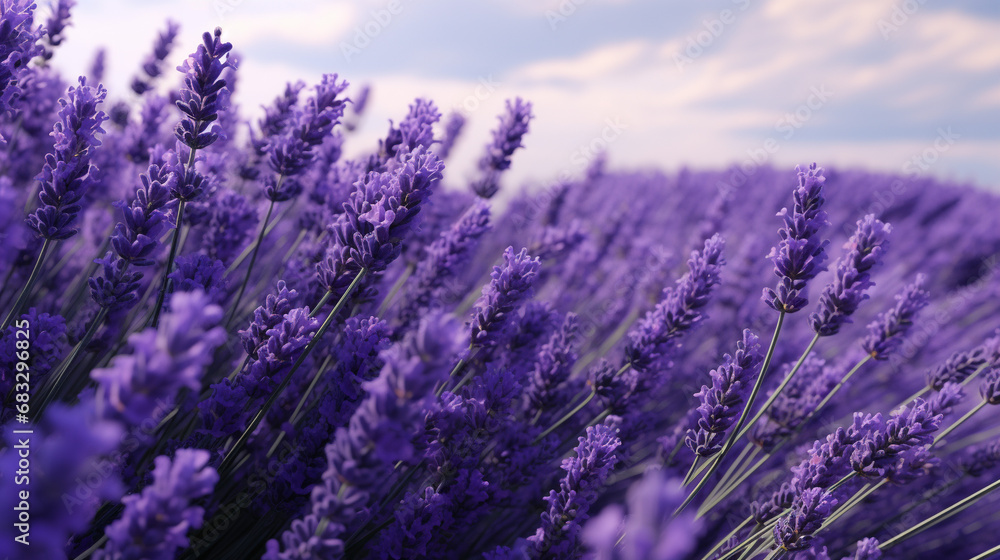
x=253, y=259
x=26, y=291
x=230, y=457
x=940, y=516
x=174, y=244
x=959, y=422
x=55, y=377
x=568, y=415
x=739, y=423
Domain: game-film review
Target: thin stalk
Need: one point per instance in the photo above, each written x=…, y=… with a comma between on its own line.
x=739, y=423
x=988, y=553
x=941, y=516
x=784, y=383
x=690, y=473
x=56, y=376
x=959, y=422
x=975, y=374
x=856, y=499
x=23, y=296
x=568, y=415
x=227, y=462
x=394, y=291
x=93, y=548
x=253, y=258
x=174, y=244
x=302, y=401
x=722, y=542
x=777, y=553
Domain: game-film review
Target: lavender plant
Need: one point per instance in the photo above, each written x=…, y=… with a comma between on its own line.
x=381, y=372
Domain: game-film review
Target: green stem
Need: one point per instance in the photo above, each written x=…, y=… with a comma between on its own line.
x=959, y=422
x=227, y=462
x=690, y=473
x=23, y=296
x=568, y=415
x=174, y=244
x=722, y=542
x=253, y=258
x=302, y=402
x=941, y=516
x=988, y=553
x=784, y=383
x=55, y=377
x=739, y=424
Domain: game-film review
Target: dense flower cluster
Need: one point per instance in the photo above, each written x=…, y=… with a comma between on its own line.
x=254, y=345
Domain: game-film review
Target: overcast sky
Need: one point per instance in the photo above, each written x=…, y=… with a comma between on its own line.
x=872, y=83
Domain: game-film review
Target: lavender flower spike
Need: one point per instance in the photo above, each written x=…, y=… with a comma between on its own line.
x=155, y=523
x=841, y=298
x=18, y=45
x=152, y=66
x=810, y=509
x=452, y=129
x=679, y=309
x=68, y=174
x=291, y=153
x=800, y=254
x=886, y=332
x=867, y=550
x=200, y=96
x=510, y=284
x=595, y=456
x=506, y=140
x=724, y=400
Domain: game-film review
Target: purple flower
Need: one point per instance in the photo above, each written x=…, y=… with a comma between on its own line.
x=155, y=523
x=586, y=471
x=841, y=298
x=56, y=24
x=46, y=341
x=444, y=259
x=649, y=530
x=510, y=284
x=982, y=458
x=724, y=400
x=201, y=273
x=679, y=309
x=152, y=67
x=552, y=367
x=886, y=332
x=200, y=97
x=291, y=153
x=800, y=255
x=797, y=402
x=452, y=129
x=162, y=362
x=417, y=128
x=506, y=140
x=68, y=174
x=990, y=388
x=18, y=45
x=876, y=453
x=958, y=367
x=867, y=550
x=809, y=510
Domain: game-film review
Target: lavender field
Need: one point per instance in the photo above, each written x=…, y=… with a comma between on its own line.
x=235, y=333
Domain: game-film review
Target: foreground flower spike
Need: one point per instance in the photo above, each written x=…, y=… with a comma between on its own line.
x=679, y=310
x=800, y=255
x=155, y=523
x=506, y=140
x=162, y=361
x=648, y=530
x=68, y=173
x=592, y=462
x=510, y=284
x=723, y=401
x=852, y=280
x=875, y=455
x=810, y=509
x=886, y=333
x=18, y=45
x=152, y=67
x=203, y=84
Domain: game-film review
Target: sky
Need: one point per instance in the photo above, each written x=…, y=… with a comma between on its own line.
x=908, y=86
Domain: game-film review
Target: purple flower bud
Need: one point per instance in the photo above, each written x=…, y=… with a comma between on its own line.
x=18, y=46
x=510, y=285
x=452, y=129
x=990, y=388
x=841, y=298
x=152, y=66
x=724, y=400
x=800, y=255
x=810, y=509
x=200, y=97
x=506, y=140
x=155, y=523
x=886, y=332
x=292, y=152
x=867, y=550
